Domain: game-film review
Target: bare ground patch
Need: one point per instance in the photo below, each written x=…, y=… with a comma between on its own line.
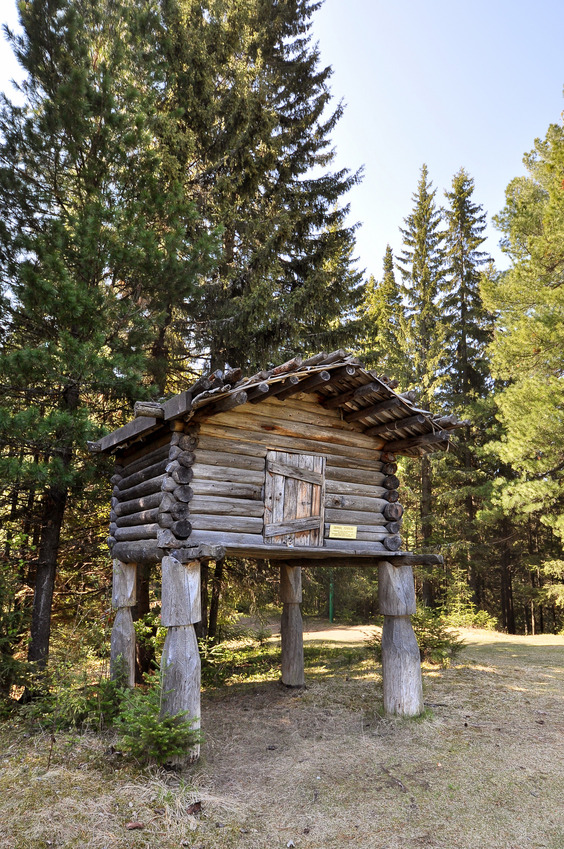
x=320, y=768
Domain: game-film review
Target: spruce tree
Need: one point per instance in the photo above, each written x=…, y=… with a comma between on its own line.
x=422, y=266
x=255, y=107
x=381, y=312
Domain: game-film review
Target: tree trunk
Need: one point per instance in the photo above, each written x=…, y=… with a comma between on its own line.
x=201, y=627
x=215, y=595
x=144, y=652
x=426, y=522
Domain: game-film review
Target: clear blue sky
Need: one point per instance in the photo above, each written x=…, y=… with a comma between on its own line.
x=447, y=82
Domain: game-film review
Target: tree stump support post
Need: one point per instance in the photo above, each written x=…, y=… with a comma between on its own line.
x=180, y=663
x=291, y=626
x=401, y=663
x=122, y=644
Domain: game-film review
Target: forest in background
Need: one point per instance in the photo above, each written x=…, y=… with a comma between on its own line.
x=169, y=206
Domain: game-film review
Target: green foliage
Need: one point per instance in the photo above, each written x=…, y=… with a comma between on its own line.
x=148, y=734
x=14, y=671
x=438, y=644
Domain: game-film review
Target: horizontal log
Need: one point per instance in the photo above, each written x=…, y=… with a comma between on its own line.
x=145, y=488
x=366, y=477
x=166, y=539
x=299, y=438
x=397, y=424
x=256, y=393
x=136, y=505
x=341, y=516
x=391, y=482
x=187, y=442
x=334, y=487
x=144, y=474
x=391, y=495
x=135, y=429
x=394, y=527
x=343, y=398
x=366, y=533
x=137, y=552
x=301, y=408
x=401, y=445
x=228, y=489
x=289, y=365
x=277, y=388
x=392, y=543
x=236, y=399
x=388, y=457
x=390, y=468
x=182, y=475
x=226, y=524
x=181, y=529
x=372, y=410
x=186, y=458
x=227, y=538
x=225, y=473
x=183, y=493
x=354, y=546
x=217, y=505
x=393, y=512
x=207, y=397
x=188, y=553
x=363, y=503
x=148, y=408
x=144, y=517
x=166, y=520
x=169, y=484
x=180, y=510
x=138, y=532
x=115, y=479
x=179, y=405
x=230, y=459
x=307, y=385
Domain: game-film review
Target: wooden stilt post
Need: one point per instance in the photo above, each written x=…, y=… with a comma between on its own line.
x=401, y=665
x=291, y=626
x=122, y=646
x=180, y=663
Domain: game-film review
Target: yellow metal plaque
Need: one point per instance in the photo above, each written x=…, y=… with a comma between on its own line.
x=342, y=531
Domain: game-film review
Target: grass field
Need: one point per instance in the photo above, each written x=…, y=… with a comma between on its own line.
x=320, y=768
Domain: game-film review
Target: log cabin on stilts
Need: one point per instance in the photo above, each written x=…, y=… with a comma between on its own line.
x=294, y=465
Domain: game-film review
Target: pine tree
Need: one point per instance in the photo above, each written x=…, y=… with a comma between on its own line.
x=85, y=241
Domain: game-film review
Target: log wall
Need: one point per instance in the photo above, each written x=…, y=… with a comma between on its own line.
x=229, y=473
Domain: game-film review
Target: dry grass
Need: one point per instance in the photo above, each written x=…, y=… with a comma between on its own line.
x=321, y=769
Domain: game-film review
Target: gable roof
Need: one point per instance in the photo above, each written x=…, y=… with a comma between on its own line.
x=339, y=379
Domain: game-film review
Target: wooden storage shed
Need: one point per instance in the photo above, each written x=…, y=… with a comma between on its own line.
x=295, y=465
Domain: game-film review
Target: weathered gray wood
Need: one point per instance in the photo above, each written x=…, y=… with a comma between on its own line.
x=231, y=525
x=284, y=438
x=152, y=471
x=182, y=475
x=401, y=668
x=169, y=484
x=228, y=538
x=292, y=526
x=290, y=584
x=256, y=393
x=360, y=392
x=393, y=512
x=186, y=458
x=391, y=482
x=225, y=473
x=228, y=489
x=183, y=493
x=201, y=552
x=392, y=543
x=168, y=501
x=180, y=600
x=230, y=459
x=372, y=409
x=291, y=634
x=180, y=665
x=390, y=468
x=276, y=389
x=334, y=487
x=122, y=648
x=136, y=505
x=181, y=529
x=187, y=442
x=132, y=429
x=219, y=505
x=178, y=406
x=142, y=518
x=148, y=408
x=394, y=527
x=166, y=539
x=342, y=516
x=142, y=489
x=166, y=520
x=293, y=471
x=391, y=495
x=137, y=552
x=139, y=532
x=397, y=424
x=355, y=502
x=439, y=439
x=396, y=590
x=124, y=584
x=355, y=546
x=365, y=533
x=235, y=399
x=351, y=474
x=180, y=510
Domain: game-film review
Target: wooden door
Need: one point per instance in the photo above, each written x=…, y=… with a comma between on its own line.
x=294, y=495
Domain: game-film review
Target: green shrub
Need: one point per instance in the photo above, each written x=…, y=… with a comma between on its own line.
x=148, y=734
x=437, y=643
